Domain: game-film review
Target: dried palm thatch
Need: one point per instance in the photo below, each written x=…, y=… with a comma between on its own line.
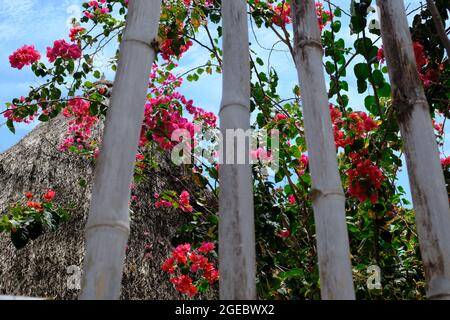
x=40, y=269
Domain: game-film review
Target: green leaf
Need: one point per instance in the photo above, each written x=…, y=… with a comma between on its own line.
x=20, y=238
x=378, y=78
x=358, y=23
x=43, y=118
x=82, y=183
x=336, y=26
x=345, y=100
x=294, y=273
x=337, y=12
x=263, y=77
x=329, y=67
x=93, y=109
x=86, y=68
x=385, y=90
x=279, y=176
x=362, y=85
x=55, y=93
x=369, y=101
x=71, y=66
x=361, y=71
x=35, y=229
x=10, y=125
x=343, y=85
x=97, y=74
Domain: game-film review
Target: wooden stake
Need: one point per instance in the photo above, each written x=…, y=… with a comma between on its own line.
x=327, y=194
x=236, y=226
x=440, y=27
x=422, y=154
x=108, y=224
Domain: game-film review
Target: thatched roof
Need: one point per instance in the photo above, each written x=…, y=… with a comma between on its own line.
x=40, y=269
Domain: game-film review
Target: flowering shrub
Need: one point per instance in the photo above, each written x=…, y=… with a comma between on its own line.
x=364, y=178
x=80, y=125
x=428, y=76
x=191, y=272
x=168, y=200
x=281, y=12
x=28, y=219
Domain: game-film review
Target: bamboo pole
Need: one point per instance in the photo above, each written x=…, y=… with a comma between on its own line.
x=439, y=25
x=108, y=223
x=422, y=155
x=327, y=194
x=236, y=226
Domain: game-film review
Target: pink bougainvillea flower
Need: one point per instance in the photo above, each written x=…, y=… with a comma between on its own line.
x=260, y=154
x=184, y=202
x=24, y=56
x=206, y=247
x=64, y=50
x=292, y=199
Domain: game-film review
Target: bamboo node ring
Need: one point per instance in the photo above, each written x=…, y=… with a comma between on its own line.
x=119, y=226
x=316, y=193
x=233, y=104
x=420, y=102
x=310, y=43
x=154, y=44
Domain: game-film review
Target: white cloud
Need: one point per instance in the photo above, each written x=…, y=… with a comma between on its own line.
x=13, y=15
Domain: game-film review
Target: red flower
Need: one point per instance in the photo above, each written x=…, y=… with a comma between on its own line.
x=364, y=178
x=183, y=284
x=29, y=195
x=211, y=274
x=34, y=205
x=445, y=162
x=180, y=253
x=282, y=15
x=75, y=31
x=49, y=196
x=280, y=117
x=284, y=234
x=380, y=55
x=185, y=260
x=168, y=265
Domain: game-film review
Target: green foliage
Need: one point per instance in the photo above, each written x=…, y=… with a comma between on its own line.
x=25, y=222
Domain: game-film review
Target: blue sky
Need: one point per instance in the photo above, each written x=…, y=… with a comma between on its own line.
x=40, y=22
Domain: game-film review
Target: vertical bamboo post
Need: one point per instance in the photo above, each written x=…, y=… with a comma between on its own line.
x=327, y=194
x=422, y=154
x=236, y=225
x=108, y=223
x=439, y=25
